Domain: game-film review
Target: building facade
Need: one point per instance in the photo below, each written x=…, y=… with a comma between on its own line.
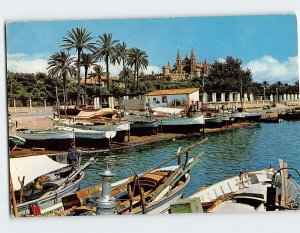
x=178, y=98
x=186, y=68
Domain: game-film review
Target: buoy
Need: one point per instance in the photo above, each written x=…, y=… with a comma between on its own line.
x=174, y=139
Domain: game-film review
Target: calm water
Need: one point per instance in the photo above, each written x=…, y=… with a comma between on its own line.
x=226, y=154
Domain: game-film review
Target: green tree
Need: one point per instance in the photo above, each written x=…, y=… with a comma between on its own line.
x=125, y=76
x=228, y=76
x=139, y=60
x=79, y=39
x=61, y=65
x=87, y=60
x=99, y=72
x=106, y=50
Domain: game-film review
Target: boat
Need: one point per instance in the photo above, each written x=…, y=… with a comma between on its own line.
x=262, y=190
x=39, y=181
x=122, y=128
x=90, y=138
x=271, y=120
x=290, y=114
x=14, y=141
x=140, y=125
x=151, y=192
x=48, y=139
x=186, y=125
x=246, y=116
x=213, y=122
x=143, y=127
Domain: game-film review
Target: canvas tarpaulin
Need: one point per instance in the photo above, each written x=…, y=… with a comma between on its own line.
x=31, y=167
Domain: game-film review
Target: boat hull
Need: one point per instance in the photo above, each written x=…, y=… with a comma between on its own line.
x=52, y=139
x=181, y=125
x=52, y=199
x=143, y=128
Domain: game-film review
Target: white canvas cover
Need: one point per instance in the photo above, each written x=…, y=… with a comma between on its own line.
x=31, y=167
x=167, y=110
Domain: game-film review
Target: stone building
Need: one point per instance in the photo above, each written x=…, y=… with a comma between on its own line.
x=186, y=68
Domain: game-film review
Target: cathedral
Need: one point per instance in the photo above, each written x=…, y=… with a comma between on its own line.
x=186, y=68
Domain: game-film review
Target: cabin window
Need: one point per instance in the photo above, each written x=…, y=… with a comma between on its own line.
x=154, y=99
x=164, y=99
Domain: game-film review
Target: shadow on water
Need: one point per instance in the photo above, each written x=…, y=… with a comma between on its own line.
x=226, y=153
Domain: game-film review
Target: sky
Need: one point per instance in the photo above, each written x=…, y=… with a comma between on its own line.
x=267, y=45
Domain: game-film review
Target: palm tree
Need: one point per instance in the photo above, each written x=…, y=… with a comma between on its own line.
x=87, y=60
x=139, y=60
x=106, y=50
x=79, y=39
x=121, y=55
x=99, y=72
x=61, y=65
x=124, y=76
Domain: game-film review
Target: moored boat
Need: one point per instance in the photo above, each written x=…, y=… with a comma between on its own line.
x=151, y=192
x=290, y=114
x=48, y=139
x=90, y=138
x=40, y=182
x=261, y=190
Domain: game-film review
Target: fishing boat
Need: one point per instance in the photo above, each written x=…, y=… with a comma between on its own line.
x=122, y=128
x=48, y=139
x=141, y=125
x=246, y=116
x=186, y=125
x=262, y=190
x=151, y=192
x=90, y=138
x=213, y=122
x=38, y=181
x=290, y=114
x=271, y=120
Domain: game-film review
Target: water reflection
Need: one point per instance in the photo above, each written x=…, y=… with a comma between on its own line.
x=226, y=154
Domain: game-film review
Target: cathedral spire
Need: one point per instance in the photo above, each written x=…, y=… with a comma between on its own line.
x=193, y=57
x=178, y=56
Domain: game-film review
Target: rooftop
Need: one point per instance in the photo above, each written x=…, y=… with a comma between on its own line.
x=174, y=91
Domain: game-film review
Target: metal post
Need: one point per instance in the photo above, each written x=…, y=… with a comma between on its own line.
x=45, y=104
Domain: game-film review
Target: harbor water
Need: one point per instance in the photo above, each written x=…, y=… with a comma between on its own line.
x=250, y=148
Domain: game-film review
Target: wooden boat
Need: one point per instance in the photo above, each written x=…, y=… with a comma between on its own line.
x=186, y=125
x=271, y=120
x=122, y=128
x=14, y=141
x=290, y=114
x=262, y=190
x=213, y=122
x=49, y=139
x=90, y=138
x=246, y=116
x=141, y=125
x=34, y=185
x=141, y=128
x=151, y=192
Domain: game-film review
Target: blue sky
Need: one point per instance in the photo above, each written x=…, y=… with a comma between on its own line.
x=266, y=44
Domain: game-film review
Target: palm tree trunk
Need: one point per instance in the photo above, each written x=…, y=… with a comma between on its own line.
x=85, y=77
x=107, y=72
x=64, y=90
x=78, y=77
x=99, y=84
x=137, y=78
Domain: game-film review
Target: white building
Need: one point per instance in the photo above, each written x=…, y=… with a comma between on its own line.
x=173, y=98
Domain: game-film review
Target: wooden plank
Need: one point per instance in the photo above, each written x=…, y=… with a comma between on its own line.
x=284, y=182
